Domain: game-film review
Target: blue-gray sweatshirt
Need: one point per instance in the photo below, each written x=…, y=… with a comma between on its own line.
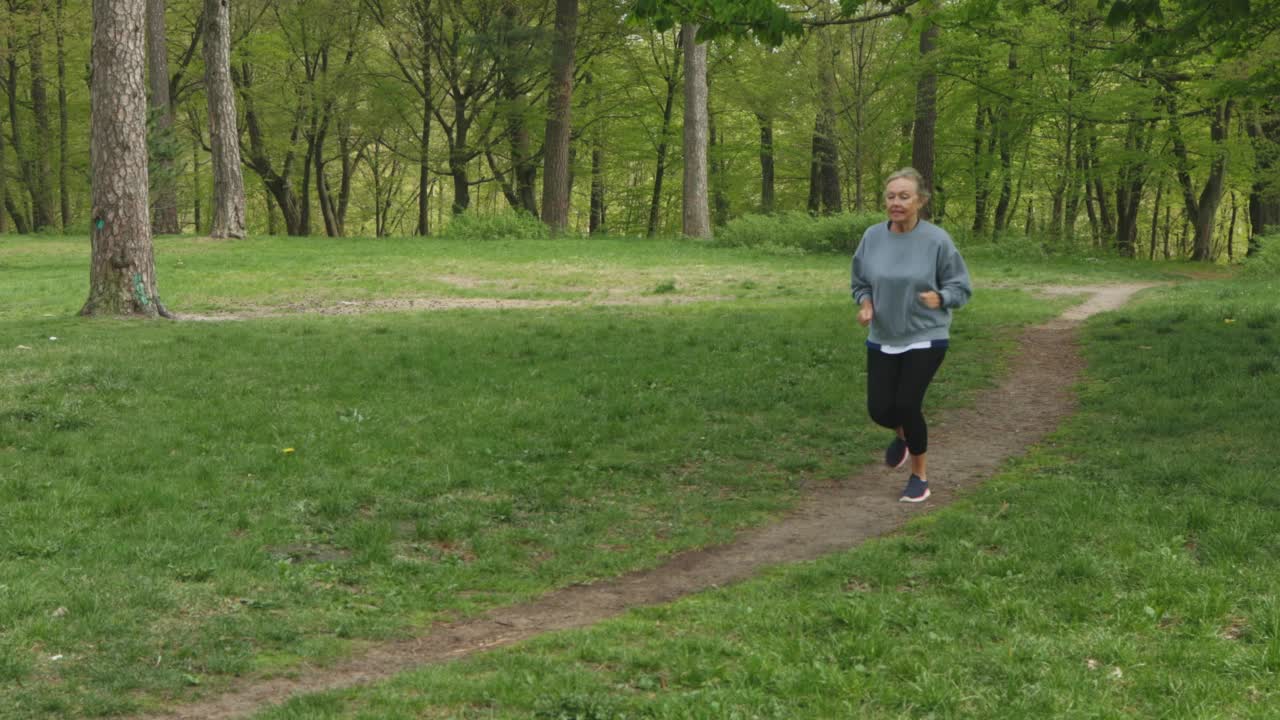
x=892, y=268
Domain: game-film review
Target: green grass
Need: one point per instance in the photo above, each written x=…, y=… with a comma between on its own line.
x=1130, y=567
x=181, y=503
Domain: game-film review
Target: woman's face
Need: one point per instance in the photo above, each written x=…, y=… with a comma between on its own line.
x=903, y=202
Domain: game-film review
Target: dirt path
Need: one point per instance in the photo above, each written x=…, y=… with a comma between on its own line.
x=835, y=515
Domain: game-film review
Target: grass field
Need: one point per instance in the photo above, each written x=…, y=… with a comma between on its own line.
x=185, y=502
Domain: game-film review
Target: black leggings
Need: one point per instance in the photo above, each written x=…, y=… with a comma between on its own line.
x=896, y=385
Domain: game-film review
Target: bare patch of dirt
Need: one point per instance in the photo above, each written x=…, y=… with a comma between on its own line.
x=833, y=515
x=358, y=307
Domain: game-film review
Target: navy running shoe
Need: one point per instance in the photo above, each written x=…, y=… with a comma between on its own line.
x=917, y=490
x=895, y=456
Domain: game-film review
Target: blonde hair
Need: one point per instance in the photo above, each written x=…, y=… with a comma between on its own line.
x=914, y=176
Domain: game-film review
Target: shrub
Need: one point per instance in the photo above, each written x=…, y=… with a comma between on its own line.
x=1266, y=261
x=796, y=233
x=502, y=225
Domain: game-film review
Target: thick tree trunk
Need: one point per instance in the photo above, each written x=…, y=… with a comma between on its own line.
x=122, y=273
x=555, y=146
x=766, y=164
x=164, y=212
x=224, y=137
x=926, y=114
x=1202, y=211
x=695, y=194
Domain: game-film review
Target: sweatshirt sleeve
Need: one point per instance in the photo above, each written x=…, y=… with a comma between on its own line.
x=860, y=285
x=953, y=276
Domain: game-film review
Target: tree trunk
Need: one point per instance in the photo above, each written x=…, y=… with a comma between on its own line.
x=1168, y=218
x=514, y=107
x=42, y=167
x=4, y=184
x=1211, y=196
x=926, y=113
x=696, y=207
x=224, y=137
x=1155, y=220
x=278, y=182
x=196, y=190
x=825, y=196
x=1129, y=187
x=655, y=203
x=720, y=200
x=424, y=168
x=1231, y=229
x=555, y=147
x=766, y=164
x=1264, y=193
x=64, y=149
x=459, y=156
x=596, y=221
x=164, y=218
x=982, y=138
x=16, y=205
x=122, y=273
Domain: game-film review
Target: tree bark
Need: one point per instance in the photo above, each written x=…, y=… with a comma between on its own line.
x=122, y=273
x=716, y=166
x=696, y=203
x=1264, y=193
x=42, y=167
x=224, y=137
x=4, y=183
x=555, y=173
x=278, y=182
x=655, y=202
x=164, y=217
x=1203, y=211
x=766, y=164
x=926, y=114
x=16, y=205
x=984, y=145
x=64, y=145
x=825, y=196
x=596, y=221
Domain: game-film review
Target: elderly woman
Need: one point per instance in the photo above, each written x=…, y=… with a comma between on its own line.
x=907, y=277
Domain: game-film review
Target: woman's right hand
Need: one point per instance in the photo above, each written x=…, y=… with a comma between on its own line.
x=865, y=313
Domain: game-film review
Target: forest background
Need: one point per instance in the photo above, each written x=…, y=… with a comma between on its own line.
x=1142, y=127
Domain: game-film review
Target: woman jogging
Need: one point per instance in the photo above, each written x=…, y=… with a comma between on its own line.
x=907, y=277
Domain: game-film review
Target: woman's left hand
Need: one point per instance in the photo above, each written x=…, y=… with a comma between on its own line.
x=931, y=299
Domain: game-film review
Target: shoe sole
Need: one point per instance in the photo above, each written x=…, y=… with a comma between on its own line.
x=922, y=498
x=903, y=461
